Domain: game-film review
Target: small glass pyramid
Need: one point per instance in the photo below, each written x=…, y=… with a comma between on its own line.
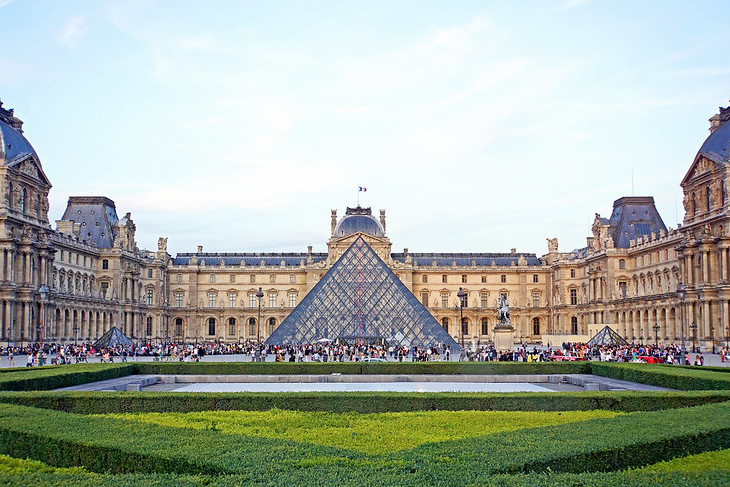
x=360, y=300
x=606, y=336
x=113, y=338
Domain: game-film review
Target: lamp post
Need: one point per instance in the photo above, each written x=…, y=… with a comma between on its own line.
x=712, y=336
x=259, y=295
x=462, y=296
x=656, y=334
x=681, y=290
x=75, y=329
x=693, y=327
x=7, y=335
x=701, y=319
x=727, y=337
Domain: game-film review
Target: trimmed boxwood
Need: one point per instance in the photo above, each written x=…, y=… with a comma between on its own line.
x=46, y=378
x=671, y=376
x=361, y=402
x=387, y=368
x=104, y=444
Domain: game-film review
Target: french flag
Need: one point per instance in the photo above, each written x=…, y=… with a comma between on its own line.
x=362, y=189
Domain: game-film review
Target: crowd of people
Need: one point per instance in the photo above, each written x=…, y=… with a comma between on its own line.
x=36, y=354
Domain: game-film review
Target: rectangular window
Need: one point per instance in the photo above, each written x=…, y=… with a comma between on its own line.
x=485, y=327
x=622, y=286
x=211, y=300
x=252, y=278
x=463, y=278
x=292, y=300
x=104, y=286
x=272, y=300
x=252, y=301
x=178, y=299
x=535, y=299
x=179, y=278
x=232, y=278
x=444, y=300
x=105, y=264
x=573, y=296
x=149, y=296
x=484, y=298
x=212, y=278
x=444, y=279
x=231, y=300
x=503, y=278
x=272, y=278
x=292, y=279
x=149, y=273
x=572, y=273
x=424, y=299
x=535, y=278
x=484, y=279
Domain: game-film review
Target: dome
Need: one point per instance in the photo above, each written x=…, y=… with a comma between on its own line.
x=717, y=146
x=13, y=144
x=358, y=220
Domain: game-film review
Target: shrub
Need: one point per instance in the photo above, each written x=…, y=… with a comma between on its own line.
x=682, y=378
x=46, y=378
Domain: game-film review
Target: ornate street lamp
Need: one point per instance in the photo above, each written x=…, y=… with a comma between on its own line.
x=75, y=329
x=656, y=334
x=727, y=337
x=693, y=327
x=681, y=291
x=462, y=297
x=712, y=336
x=259, y=295
x=7, y=335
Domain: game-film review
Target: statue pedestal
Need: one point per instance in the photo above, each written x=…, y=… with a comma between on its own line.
x=504, y=337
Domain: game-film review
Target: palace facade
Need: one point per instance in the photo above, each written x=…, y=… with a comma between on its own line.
x=645, y=280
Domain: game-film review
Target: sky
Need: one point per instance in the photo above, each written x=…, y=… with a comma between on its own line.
x=478, y=126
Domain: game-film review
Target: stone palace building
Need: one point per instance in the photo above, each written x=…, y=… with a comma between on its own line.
x=645, y=280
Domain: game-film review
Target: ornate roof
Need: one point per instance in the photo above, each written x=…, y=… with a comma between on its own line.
x=633, y=217
x=13, y=145
x=358, y=220
x=717, y=146
x=97, y=216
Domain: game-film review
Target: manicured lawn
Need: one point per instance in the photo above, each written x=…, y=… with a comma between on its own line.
x=367, y=433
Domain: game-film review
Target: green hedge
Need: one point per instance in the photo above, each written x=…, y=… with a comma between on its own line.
x=671, y=376
x=608, y=444
x=46, y=378
x=361, y=402
x=613, y=479
x=389, y=368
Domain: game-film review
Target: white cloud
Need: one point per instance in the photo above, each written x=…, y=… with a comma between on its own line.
x=5, y=2
x=72, y=32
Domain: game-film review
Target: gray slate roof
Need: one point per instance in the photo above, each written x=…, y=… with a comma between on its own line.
x=14, y=144
x=97, y=216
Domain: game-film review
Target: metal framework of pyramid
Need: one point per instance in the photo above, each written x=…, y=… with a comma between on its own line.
x=606, y=336
x=360, y=300
x=113, y=338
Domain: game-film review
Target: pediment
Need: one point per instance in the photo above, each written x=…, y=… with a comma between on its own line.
x=701, y=166
x=27, y=165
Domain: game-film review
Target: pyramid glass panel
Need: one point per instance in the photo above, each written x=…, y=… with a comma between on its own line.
x=113, y=338
x=360, y=300
x=606, y=336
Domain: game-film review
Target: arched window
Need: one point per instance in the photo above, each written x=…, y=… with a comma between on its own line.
x=272, y=325
x=465, y=327
x=573, y=325
x=22, y=200
x=621, y=264
x=251, y=326
x=231, y=326
x=485, y=326
x=536, y=326
x=149, y=326
x=178, y=326
x=445, y=324
x=211, y=326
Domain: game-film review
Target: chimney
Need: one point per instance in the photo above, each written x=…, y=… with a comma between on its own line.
x=720, y=118
x=382, y=219
x=334, y=221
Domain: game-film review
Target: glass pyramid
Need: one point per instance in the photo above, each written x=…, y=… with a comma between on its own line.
x=606, y=336
x=113, y=338
x=360, y=300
